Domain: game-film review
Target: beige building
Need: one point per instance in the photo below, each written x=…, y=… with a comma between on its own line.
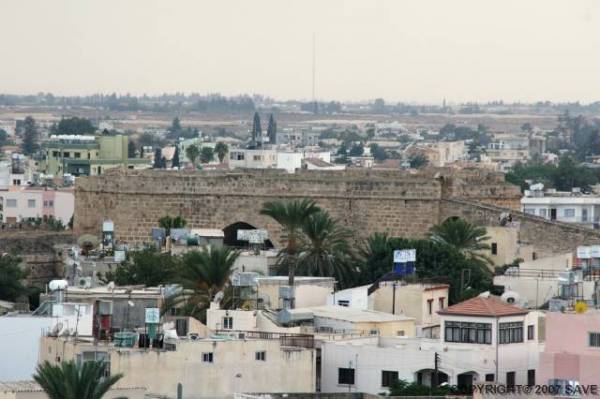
x=31, y=390
x=207, y=368
x=420, y=301
x=506, y=247
x=346, y=320
x=309, y=291
x=440, y=153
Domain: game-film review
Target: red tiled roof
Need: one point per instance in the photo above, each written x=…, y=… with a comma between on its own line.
x=483, y=307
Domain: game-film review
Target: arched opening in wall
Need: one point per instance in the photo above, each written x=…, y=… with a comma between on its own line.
x=230, y=234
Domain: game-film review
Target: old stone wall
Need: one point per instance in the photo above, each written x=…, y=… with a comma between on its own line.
x=548, y=237
x=36, y=248
x=366, y=201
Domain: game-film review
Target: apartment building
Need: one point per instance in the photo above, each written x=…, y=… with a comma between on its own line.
x=20, y=203
x=87, y=155
x=214, y=367
x=483, y=339
x=569, y=207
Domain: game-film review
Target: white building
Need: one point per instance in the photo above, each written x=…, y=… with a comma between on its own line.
x=273, y=158
x=484, y=339
x=22, y=332
x=574, y=207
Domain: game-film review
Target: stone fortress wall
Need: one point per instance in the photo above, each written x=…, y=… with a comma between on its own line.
x=366, y=201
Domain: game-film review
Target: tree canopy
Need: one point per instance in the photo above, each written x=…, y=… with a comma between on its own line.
x=73, y=125
x=68, y=380
x=11, y=278
x=30, y=143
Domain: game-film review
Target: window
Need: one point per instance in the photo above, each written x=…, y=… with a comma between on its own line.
x=529, y=211
x=374, y=332
x=543, y=212
x=257, y=158
x=11, y=203
x=569, y=212
x=441, y=302
x=343, y=303
x=400, y=333
x=530, y=377
x=16, y=182
x=388, y=378
x=207, y=357
x=430, y=305
x=489, y=377
x=77, y=154
x=531, y=332
x=228, y=322
x=50, y=204
x=510, y=379
x=595, y=339
x=55, y=154
x=346, y=376
x=261, y=356
x=510, y=332
x=31, y=203
x=66, y=155
x=494, y=248
x=473, y=333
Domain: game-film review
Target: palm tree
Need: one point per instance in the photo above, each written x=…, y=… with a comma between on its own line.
x=167, y=222
x=376, y=255
x=291, y=215
x=205, y=273
x=463, y=236
x=325, y=249
x=70, y=381
x=221, y=150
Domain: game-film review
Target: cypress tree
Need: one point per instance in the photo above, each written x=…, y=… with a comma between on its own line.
x=272, y=130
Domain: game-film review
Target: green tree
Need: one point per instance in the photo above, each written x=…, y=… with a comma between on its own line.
x=404, y=388
x=436, y=262
x=468, y=239
x=325, y=250
x=74, y=125
x=148, y=267
x=71, y=381
x=192, y=152
x=291, y=215
x=206, y=154
x=256, y=131
x=131, y=149
x=357, y=150
x=30, y=142
x=11, y=278
x=378, y=153
x=175, y=161
x=418, y=161
x=158, y=164
x=221, y=149
x=167, y=222
x=3, y=138
x=175, y=126
x=527, y=127
x=272, y=130
x=209, y=269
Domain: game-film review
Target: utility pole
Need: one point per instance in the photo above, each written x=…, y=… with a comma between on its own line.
x=436, y=362
x=394, y=298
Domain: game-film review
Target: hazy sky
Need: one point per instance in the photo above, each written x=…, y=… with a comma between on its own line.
x=401, y=50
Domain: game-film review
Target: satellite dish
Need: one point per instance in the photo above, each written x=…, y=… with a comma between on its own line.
x=111, y=286
x=511, y=297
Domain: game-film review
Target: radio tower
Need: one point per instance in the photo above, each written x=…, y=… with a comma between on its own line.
x=314, y=69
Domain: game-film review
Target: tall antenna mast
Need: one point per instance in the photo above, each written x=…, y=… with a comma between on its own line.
x=314, y=66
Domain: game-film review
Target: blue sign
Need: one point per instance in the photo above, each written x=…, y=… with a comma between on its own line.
x=404, y=261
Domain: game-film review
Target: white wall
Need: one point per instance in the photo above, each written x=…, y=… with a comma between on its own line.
x=64, y=206
x=289, y=161
x=357, y=298
x=20, y=345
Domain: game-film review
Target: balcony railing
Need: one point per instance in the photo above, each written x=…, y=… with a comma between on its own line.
x=285, y=339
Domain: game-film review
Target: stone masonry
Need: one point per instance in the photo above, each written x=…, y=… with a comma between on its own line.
x=366, y=201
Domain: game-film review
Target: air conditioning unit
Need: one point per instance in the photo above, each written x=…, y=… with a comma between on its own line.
x=84, y=282
x=242, y=335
